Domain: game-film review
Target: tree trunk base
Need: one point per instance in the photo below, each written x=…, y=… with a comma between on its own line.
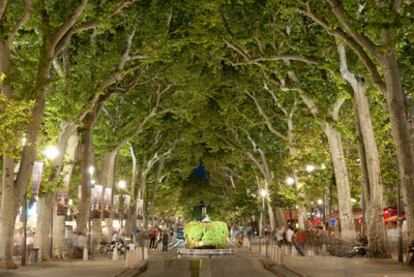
x=8, y=265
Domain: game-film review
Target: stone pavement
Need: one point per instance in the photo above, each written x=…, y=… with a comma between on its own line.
x=99, y=267
x=329, y=266
x=243, y=264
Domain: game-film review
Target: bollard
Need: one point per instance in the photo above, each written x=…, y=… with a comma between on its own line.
x=145, y=253
x=128, y=259
x=324, y=252
x=277, y=256
x=281, y=257
x=136, y=258
x=115, y=254
x=85, y=253
x=263, y=251
x=140, y=254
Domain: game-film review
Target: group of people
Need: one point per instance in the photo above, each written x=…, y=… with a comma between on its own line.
x=311, y=239
x=158, y=235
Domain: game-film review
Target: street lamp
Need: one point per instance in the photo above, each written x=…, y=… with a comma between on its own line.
x=290, y=181
x=121, y=185
x=51, y=152
x=91, y=170
x=310, y=168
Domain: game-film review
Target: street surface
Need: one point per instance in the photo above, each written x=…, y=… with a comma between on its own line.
x=242, y=264
x=103, y=267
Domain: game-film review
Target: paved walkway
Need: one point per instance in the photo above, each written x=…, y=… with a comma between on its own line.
x=347, y=267
x=242, y=264
x=103, y=267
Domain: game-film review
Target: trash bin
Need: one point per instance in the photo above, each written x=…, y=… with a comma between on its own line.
x=35, y=255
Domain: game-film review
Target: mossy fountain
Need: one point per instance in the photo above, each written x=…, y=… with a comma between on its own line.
x=206, y=238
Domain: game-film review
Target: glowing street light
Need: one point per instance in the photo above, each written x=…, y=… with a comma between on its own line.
x=122, y=184
x=51, y=152
x=310, y=168
x=91, y=170
x=24, y=140
x=290, y=181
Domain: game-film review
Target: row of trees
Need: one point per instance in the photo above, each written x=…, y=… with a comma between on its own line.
x=256, y=90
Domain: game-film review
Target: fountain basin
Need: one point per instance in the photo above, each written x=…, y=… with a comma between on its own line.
x=206, y=252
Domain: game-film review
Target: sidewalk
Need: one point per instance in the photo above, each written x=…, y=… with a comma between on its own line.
x=329, y=266
x=104, y=267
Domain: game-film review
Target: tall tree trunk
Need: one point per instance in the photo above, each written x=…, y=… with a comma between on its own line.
x=106, y=179
x=377, y=238
x=269, y=204
x=400, y=132
x=85, y=201
x=156, y=185
x=19, y=188
x=132, y=210
x=44, y=211
x=44, y=217
x=373, y=195
x=346, y=215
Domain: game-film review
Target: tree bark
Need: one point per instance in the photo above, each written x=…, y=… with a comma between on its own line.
x=132, y=211
x=85, y=201
x=44, y=217
x=346, y=215
x=373, y=194
x=401, y=134
x=44, y=233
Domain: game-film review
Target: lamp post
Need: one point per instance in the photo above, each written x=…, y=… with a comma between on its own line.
x=51, y=153
x=121, y=185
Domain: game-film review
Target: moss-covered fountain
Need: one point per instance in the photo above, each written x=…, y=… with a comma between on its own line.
x=206, y=238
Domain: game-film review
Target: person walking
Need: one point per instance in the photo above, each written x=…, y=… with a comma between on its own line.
x=299, y=239
x=153, y=237
x=165, y=238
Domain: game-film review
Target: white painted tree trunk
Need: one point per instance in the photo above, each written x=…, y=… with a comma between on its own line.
x=44, y=218
x=342, y=183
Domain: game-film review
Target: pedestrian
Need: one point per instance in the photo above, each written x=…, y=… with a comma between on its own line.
x=279, y=236
x=299, y=240
x=153, y=237
x=289, y=235
x=165, y=238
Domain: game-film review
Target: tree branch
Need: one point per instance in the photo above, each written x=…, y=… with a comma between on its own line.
x=337, y=106
x=359, y=37
x=65, y=40
x=3, y=5
x=359, y=51
x=26, y=15
x=266, y=118
x=60, y=33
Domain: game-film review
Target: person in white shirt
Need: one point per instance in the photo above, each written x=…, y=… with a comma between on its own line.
x=289, y=235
